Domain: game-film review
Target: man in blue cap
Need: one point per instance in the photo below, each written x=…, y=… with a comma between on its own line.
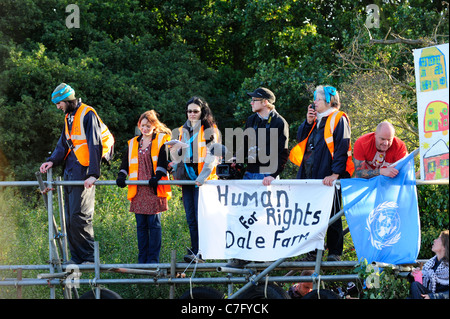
x=79, y=149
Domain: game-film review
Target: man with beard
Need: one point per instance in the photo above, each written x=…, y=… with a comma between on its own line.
x=375, y=153
x=80, y=150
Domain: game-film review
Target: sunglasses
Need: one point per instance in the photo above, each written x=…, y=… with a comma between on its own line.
x=193, y=111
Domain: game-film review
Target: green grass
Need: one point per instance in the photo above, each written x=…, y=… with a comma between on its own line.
x=24, y=239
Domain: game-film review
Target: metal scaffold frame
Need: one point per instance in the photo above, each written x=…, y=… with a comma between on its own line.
x=57, y=274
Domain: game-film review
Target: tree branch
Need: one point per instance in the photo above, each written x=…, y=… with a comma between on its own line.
x=423, y=42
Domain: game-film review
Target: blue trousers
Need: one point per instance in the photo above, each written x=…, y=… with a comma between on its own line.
x=190, y=203
x=149, y=237
x=248, y=175
x=417, y=290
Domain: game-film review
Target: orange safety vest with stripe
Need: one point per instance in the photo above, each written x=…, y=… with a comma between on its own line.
x=133, y=164
x=78, y=135
x=202, y=151
x=297, y=153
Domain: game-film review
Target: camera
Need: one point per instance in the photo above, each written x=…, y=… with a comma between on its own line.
x=226, y=171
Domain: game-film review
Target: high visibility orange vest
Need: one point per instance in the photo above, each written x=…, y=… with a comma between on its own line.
x=133, y=164
x=78, y=136
x=202, y=151
x=297, y=153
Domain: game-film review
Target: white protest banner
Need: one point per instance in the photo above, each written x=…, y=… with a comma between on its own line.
x=431, y=68
x=244, y=219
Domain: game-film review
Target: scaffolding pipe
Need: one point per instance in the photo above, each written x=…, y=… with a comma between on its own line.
x=168, y=182
x=185, y=266
x=178, y=281
x=54, y=279
x=51, y=234
x=241, y=271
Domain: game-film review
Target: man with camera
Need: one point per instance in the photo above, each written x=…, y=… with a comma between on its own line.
x=271, y=133
x=266, y=136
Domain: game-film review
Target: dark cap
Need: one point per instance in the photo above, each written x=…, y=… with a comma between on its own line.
x=264, y=94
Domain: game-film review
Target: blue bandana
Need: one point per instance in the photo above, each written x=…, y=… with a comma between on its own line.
x=60, y=95
x=329, y=91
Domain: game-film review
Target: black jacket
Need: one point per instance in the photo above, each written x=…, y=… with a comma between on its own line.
x=72, y=167
x=276, y=161
x=321, y=164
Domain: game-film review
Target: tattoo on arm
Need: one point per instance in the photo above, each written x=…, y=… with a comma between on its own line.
x=362, y=172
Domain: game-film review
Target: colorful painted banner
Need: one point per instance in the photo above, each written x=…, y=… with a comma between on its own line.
x=431, y=68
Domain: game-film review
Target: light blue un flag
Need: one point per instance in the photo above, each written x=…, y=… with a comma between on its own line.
x=383, y=215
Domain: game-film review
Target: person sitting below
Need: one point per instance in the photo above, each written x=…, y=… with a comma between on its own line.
x=300, y=289
x=433, y=284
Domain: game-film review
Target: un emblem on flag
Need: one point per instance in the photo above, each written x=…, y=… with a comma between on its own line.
x=383, y=224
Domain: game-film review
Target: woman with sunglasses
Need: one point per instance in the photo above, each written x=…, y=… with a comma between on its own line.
x=198, y=133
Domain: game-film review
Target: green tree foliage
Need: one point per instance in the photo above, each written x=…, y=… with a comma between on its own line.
x=433, y=205
x=381, y=283
x=130, y=56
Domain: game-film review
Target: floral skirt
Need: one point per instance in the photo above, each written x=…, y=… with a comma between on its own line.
x=146, y=202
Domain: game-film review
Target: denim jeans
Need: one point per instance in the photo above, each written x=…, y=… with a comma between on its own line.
x=190, y=202
x=417, y=290
x=149, y=237
x=249, y=175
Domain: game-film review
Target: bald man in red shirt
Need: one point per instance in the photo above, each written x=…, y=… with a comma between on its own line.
x=374, y=153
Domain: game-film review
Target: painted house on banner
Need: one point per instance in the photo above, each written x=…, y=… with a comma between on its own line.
x=436, y=161
x=432, y=70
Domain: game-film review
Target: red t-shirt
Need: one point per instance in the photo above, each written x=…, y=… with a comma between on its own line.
x=365, y=150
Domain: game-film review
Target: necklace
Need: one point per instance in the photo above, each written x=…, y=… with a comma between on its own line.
x=141, y=146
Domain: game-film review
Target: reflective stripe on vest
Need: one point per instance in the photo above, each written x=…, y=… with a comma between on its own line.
x=78, y=136
x=202, y=151
x=297, y=153
x=133, y=164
